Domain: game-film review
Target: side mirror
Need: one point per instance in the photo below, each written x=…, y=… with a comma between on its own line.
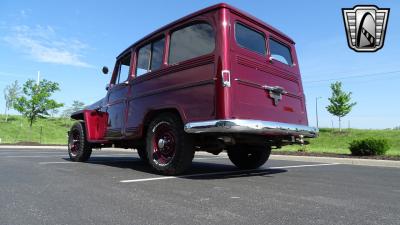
x=108, y=86
x=105, y=70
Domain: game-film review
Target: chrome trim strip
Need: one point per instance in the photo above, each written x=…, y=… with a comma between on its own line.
x=250, y=127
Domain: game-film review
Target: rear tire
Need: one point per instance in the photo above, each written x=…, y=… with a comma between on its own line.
x=169, y=148
x=248, y=156
x=79, y=150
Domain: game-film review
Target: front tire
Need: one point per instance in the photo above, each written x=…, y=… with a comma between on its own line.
x=170, y=149
x=79, y=150
x=247, y=156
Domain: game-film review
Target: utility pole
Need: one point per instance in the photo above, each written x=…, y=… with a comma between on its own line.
x=38, y=78
x=316, y=110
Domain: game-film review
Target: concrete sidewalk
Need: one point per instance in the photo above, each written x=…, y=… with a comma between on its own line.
x=316, y=159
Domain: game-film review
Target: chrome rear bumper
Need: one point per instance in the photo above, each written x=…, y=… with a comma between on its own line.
x=251, y=127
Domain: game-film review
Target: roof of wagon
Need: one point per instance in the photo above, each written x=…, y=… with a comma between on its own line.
x=206, y=10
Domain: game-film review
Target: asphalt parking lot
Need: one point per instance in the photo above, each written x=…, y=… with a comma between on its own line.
x=43, y=187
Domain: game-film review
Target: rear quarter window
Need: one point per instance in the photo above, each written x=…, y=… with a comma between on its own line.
x=280, y=52
x=150, y=57
x=250, y=39
x=190, y=42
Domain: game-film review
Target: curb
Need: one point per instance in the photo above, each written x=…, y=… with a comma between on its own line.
x=317, y=159
x=22, y=147
x=347, y=161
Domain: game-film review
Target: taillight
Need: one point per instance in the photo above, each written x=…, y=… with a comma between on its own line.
x=226, y=78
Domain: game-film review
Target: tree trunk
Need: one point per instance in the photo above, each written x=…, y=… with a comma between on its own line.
x=340, y=124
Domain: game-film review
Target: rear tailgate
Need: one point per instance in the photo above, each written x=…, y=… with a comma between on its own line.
x=264, y=88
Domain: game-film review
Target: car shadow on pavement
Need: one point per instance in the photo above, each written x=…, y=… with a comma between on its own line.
x=198, y=170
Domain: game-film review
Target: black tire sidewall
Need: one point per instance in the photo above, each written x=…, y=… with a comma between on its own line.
x=85, y=149
x=184, y=152
x=141, y=151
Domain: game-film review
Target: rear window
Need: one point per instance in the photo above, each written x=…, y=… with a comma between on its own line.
x=280, y=52
x=250, y=39
x=190, y=42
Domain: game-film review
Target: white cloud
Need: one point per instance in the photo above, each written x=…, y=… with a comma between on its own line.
x=44, y=45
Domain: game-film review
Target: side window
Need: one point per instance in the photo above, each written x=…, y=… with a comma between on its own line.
x=250, y=39
x=150, y=57
x=143, y=60
x=280, y=52
x=190, y=42
x=157, y=54
x=123, y=69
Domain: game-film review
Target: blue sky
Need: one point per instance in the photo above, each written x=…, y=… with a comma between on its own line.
x=69, y=42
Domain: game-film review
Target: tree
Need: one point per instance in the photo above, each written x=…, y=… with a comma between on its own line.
x=340, y=104
x=54, y=112
x=35, y=101
x=11, y=93
x=76, y=106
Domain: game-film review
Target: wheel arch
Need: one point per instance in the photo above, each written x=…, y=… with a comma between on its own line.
x=78, y=115
x=150, y=115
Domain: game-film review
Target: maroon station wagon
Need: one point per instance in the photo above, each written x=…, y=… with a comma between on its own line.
x=218, y=79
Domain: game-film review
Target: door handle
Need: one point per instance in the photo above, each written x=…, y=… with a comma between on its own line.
x=271, y=59
x=275, y=89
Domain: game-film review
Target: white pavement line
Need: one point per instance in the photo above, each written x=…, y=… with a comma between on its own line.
x=45, y=163
x=88, y=162
x=299, y=166
x=205, y=158
x=113, y=155
x=49, y=156
x=253, y=172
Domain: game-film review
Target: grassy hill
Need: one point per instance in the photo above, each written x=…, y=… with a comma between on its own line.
x=54, y=131
x=333, y=141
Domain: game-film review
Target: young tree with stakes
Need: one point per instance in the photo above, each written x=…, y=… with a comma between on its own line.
x=340, y=104
x=35, y=101
x=11, y=93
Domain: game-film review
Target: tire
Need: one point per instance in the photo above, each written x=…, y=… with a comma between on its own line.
x=79, y=150
x=247, y=156
x=169, y=148
x=142, y=154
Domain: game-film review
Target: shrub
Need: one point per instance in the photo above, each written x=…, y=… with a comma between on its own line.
x=369, y=146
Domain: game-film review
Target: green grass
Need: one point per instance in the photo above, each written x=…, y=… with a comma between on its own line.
x=332, y=141
x=54, y=130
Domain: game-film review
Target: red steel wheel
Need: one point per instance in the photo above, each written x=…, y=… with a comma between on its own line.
x=164, y=148
x=74, y=142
